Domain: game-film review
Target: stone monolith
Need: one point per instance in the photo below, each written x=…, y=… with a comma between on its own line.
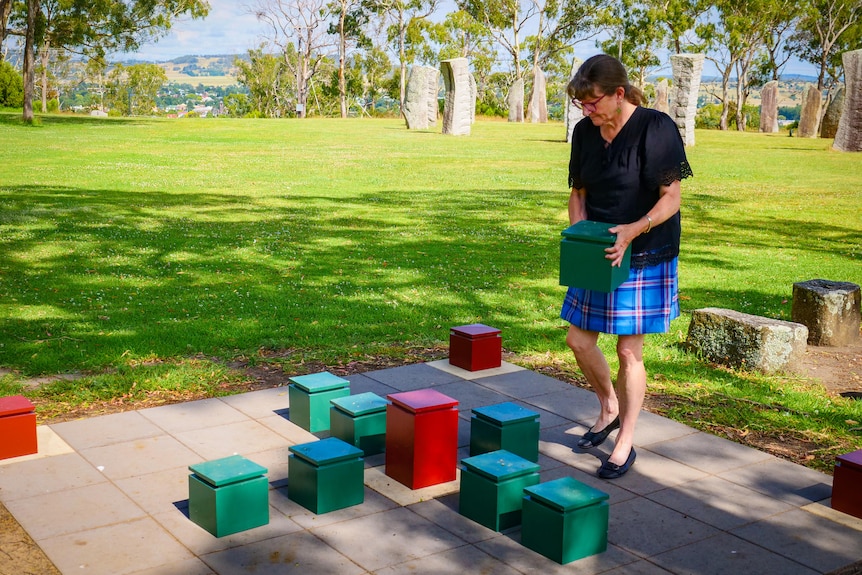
x=829, y=123
x=809, y=118
x=687, y=70
x=848, y=138
x=537, y=110
x=420, y=99
x=661, y=102
x=769, y=107
x=456, y=110
x=516, y=101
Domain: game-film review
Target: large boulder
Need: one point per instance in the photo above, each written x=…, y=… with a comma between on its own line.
x=420, y=100
x=744, y=341
x=459, y=108
x=809, y=117
x=769, y=107
x=848, y=138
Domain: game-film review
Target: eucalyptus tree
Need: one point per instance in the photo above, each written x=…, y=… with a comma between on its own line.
x=304, y=22
x=462, y=36
x=92, y=28
x=635, y=37
x=823, y=27
x=269, y=80
x=408, y=23
x=679, y=19
x=350, y=17
x=132, y=90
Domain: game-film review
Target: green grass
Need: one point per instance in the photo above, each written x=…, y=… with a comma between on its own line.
x=130, y=243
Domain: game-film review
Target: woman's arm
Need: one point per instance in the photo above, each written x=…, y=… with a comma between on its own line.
x=667, y=205
x=577, y=205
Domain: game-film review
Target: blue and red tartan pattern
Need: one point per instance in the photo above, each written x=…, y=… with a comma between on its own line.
x=645, y=303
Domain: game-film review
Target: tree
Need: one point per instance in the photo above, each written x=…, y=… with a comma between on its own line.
x=679, y=18
x=95, y=27
x=132, y=90
x=821, y=27
x=303, y=22
x=11, y=86
x=635, y=37
x=462, y=36
x=408, y=20
x=351, y=16
x=270, y=81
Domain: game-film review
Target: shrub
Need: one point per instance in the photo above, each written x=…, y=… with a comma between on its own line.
x=11, y=86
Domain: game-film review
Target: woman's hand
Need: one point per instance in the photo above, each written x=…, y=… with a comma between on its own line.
x=625, y=234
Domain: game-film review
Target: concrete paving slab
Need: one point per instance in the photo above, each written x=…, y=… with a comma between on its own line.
x=523, y=384
x=806, y=538
x=360, y=383
x=157, y=492
x=615, y=493
x=652, y=472
x=470, y=395
x=412, y=377
x=259, y=404
x=573, y=404
x=140, y=457
x=466, y=559
x=645, y=528
x=639, y=567
x=508, y=549
x=192, y=566
x=74, y=510
x=281, y=424
x=652, y=428
x=191, y=415
x=115, y=549
x=707, y=453
x=443, y=512
x=230, y=439
x=783, y=480
x=724, y=554
x=376, y=479
x=403, y=536
x=106, y=430
x=719, y=502
x=298, y=553
x=46, y=475
x=372, y=503
x=505, y=367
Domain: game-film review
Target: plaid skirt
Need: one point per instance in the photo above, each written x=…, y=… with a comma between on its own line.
x=645, y=303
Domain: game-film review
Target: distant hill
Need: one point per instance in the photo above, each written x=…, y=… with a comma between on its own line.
x=214, y=70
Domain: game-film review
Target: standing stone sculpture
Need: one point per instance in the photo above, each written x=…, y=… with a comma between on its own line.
x=769, y=107
x=474, y=91
x=809, y=118
x=420, y=99
x=687, y=71
x=456, y=110
x=661, y=102
x=516, y=101
x=537, y=110
x=848, y=138
x=829, y=123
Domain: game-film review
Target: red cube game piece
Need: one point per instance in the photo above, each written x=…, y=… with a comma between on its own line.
x=847, y=484
x=475, y=347
x=17, y=427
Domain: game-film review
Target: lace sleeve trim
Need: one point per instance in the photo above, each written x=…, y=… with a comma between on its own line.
x=680, y=172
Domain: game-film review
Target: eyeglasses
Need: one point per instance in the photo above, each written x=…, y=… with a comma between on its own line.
x=589, y=107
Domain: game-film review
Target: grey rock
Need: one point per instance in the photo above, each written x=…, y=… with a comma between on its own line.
x=457, y=112
x=537, y=110
x=420, y=105
x=809, y=118
x=769, y=107
x=829, y=124
x=830, y=310
x=687, y=72
x=516, y=101
x=661, y=96
x=848, y=138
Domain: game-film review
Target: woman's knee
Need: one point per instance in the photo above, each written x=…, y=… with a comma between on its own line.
x=580, y=341
x=630, y=349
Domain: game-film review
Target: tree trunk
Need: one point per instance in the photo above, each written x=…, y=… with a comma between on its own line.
x=402, y=30
x=33, y=8
x=44, y=75
x=342, y=56
x=5, y=10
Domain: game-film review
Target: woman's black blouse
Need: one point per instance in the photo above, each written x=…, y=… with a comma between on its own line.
x=622, y=179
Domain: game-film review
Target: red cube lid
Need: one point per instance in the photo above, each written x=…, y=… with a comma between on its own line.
x=475, y=330
x=15, y=405
x=852, y=459
x=422, y=400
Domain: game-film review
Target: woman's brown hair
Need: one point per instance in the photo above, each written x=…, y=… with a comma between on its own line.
x=606, y=74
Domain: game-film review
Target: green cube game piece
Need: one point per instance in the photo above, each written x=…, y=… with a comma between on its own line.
x=505, y=426
x=565, y=520
x=361, y=421
x=326, y=475
x=492, y=488
x=582, y=258
x=309, y=397
x=228, y=495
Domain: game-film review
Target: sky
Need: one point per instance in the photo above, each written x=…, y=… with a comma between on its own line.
x=231, y=29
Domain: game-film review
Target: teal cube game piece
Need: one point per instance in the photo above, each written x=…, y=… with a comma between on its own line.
x=582, y=258
x=309, y=397
x=505, y=426
x=361, y=421
x=565, y=520
x=228, y=495
x=492, y=488
x=326, y=475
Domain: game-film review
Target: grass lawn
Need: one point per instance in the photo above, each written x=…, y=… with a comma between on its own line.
x=149, y=254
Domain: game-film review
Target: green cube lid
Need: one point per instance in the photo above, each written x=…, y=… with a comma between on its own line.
x=500, y=465
x=323, y=381
x=360, y=404
x=590, y=231
x=227, y=470
x=329, y=450
x=504, y=413
x=422, y=400
x=565, y=494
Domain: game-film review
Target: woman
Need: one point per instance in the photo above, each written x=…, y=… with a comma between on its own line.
x=625, y=169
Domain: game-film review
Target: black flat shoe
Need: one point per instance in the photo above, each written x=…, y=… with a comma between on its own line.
x=595, y=438
x=610, y=470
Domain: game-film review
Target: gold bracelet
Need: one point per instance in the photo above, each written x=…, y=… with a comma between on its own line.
x=649, y=227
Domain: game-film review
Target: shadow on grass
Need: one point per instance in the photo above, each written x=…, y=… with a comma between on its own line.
x=41, y=120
